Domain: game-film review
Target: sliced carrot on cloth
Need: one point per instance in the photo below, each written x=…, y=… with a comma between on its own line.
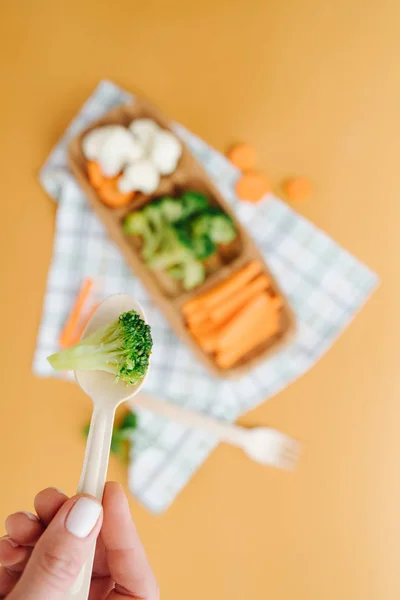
x=297, y=189
x=231, y=305
x=228, y=357
x=243, y=156
x=68, y=332
x=110, y=195
x=82, y=325
x=222, y=291
x=252, y=186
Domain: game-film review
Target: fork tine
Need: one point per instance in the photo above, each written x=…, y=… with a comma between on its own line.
x=289, y=454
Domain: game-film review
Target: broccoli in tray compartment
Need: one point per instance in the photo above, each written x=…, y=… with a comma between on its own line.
x=179, y=234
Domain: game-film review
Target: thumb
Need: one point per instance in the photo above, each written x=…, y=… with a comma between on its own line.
x=61, y=552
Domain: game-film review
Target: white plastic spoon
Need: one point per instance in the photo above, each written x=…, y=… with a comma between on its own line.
x=106, y=395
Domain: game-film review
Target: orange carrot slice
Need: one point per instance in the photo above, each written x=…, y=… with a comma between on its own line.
x=95, y=174
x=243, y=156
x=297, y=189
x=111, y=196
x=252, y=186
x=70, y=326
x=222, y=291
x=82, y=325
x=224, y=311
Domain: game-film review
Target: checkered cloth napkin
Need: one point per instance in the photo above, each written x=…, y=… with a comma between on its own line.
x=325, y=285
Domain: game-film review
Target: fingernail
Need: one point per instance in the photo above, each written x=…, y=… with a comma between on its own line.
x=10, y=541
x=30, y=516
x=59, y=491
x=83, y=517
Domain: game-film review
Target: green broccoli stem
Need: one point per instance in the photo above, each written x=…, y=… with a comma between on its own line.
x=85, y=358
x=98, y=351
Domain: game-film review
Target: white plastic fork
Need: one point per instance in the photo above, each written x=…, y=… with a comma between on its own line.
x=264, y=445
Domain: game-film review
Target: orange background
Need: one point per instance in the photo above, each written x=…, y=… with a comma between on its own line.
x=315, y=86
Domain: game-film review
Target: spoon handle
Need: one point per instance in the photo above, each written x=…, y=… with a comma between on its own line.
x=93, y=478
x=97, y=454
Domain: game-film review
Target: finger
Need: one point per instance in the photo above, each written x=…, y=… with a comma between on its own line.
x=100, y=564
x=12, y=555
x=48, y=502
x=8, y=580
x=100, y=588
x=126, y=557
x=61, y=551
x=24, y=528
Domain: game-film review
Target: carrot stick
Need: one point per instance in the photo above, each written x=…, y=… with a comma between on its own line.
x=68, y=331
x=234, y=303
x=207, y=342
x=227, y=358
x=204, y=328
x=211, y=337
x=257, y=311
x=196, y=318
x=277, y=301
x=83, y=324
x=228, y=287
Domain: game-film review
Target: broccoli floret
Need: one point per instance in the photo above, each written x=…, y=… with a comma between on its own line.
x=171, y=252
x=153, y=214
x=178, y=261
x=137, y=224
x=194, y=274
x=176, y=272
x=183, y=233
x=193, y=202
x=122, y=348
x=200, y=224
x=222, y=229
x=203, y=246
x=171, y=209
x=217, y=224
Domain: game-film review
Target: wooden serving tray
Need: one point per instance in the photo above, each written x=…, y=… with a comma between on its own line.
x=165, y=292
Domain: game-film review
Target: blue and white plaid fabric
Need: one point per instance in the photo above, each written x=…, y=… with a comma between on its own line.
x=325, y=285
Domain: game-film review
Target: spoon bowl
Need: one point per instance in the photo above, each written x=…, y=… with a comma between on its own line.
x=99, y=385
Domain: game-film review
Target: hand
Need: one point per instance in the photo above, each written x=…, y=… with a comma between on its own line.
x=42, y=555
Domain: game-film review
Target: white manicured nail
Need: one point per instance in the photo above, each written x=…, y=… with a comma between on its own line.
x=59, y=491
x=83, y=517
x=30, y=516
